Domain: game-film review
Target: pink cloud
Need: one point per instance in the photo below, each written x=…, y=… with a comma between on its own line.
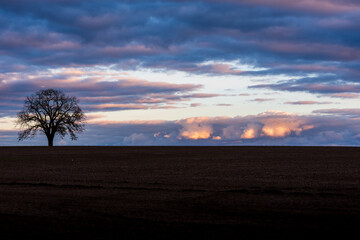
x=99, y=91
x=316, y=87
x=114, y=106
x=34, y=39
x=127, y=50
x=134, y=50
x=213, y=68
x=352, y=112
x=328, y=88
x=62, y=46
x=339, y=52
x=221, y=68
x=337, y=23
x=195, y=105
x=308, y=67
x=320, y=6
x=343, y=95
x=132, y=122
x=307, y=102
x=262, y=99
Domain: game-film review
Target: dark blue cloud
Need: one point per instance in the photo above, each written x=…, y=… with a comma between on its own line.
x=82, y=32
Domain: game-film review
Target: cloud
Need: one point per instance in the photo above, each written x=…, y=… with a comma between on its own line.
x=343, y=95
x=307, y=103
x=224, y=104
x=260, y=100
x=97, y=90
x=137, y=139
x=349, y=112
x=319, y=6
x=195, y=128
x=180, y=35
x=195, y=105
x=313, y=88
x=307, y=50
x=284, y=127
x=88, y=48
x=281, y=127
x=251, y=131
x=257, y=38
x=324, y=127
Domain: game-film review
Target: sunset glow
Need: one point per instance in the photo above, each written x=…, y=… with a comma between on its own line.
x=208, y=72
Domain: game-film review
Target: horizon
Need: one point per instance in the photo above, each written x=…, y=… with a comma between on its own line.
x=187, y=73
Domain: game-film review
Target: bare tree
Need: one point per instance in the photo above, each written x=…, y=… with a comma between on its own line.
x=51, y=112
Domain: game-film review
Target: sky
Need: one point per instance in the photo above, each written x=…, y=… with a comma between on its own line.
x=177, y=72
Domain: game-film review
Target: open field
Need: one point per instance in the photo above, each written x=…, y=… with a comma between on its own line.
x=179, y=192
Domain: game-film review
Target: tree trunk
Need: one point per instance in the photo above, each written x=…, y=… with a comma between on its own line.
x=50, y=140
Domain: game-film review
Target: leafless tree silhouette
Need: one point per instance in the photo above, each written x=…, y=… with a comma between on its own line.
x=51, y=112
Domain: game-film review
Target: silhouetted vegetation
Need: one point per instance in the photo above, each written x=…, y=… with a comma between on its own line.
x=52, y=113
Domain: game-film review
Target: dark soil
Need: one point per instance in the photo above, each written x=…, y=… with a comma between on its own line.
x=179, y=192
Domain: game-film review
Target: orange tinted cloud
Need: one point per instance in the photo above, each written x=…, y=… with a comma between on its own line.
x=195, y=128
x=277, y=131
x=283, y=124
x=249, y=134
x=269, y=124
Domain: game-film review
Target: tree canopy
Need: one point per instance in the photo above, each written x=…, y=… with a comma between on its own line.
x=51, y=112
